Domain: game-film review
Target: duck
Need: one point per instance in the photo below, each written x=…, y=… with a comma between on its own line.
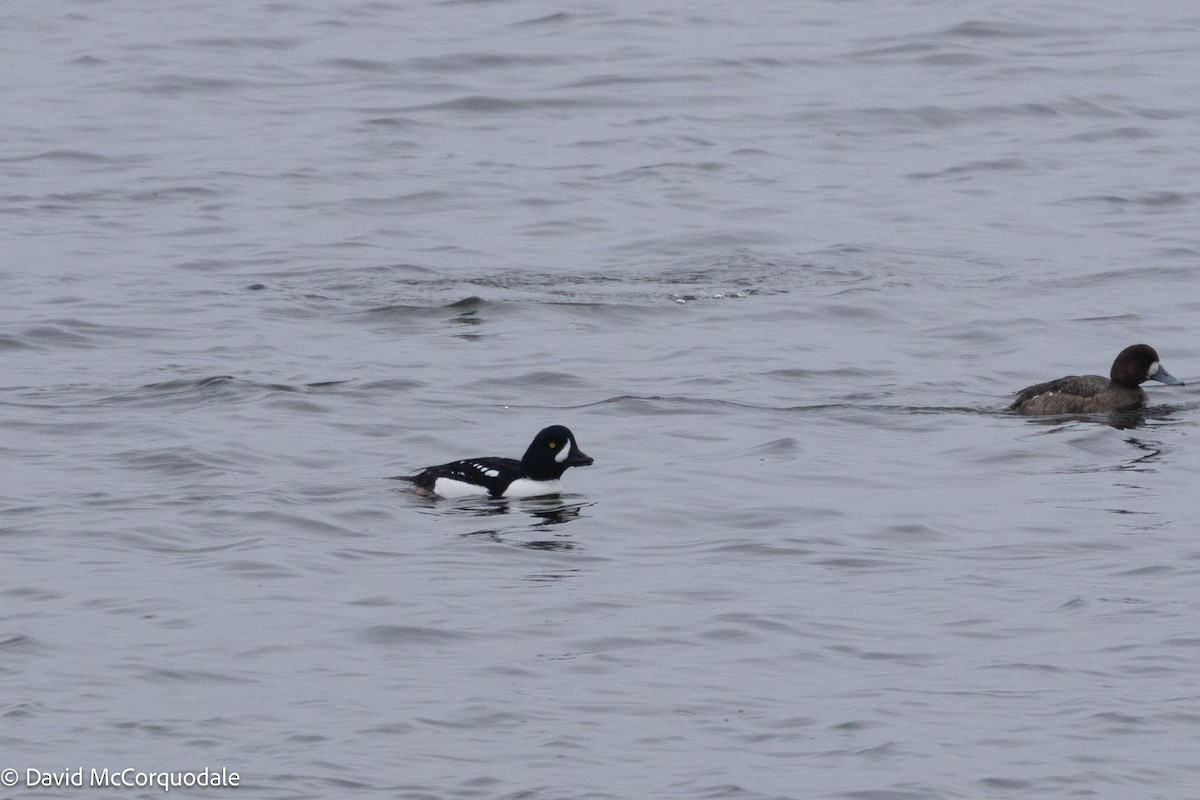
x=1089, y=394
x=536, y=474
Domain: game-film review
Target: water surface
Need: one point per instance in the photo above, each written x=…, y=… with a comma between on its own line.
x=779, y=268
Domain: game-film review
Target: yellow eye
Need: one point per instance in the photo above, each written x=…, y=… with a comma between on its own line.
x=552, y=445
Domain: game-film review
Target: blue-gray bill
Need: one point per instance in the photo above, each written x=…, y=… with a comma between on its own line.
x=1162, y=376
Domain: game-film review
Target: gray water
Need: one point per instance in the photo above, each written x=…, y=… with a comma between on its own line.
x=779, y=266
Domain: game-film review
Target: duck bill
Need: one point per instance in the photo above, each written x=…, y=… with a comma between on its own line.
x=578, y=458
x=1162, y=376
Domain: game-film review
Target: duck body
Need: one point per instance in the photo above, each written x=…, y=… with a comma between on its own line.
x=1090, y=394
x=537, y=473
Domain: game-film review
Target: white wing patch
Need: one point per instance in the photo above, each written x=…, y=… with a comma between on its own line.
x=566, y=451
x=487, y=472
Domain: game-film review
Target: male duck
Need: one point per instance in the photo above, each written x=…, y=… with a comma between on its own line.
x=552, y=451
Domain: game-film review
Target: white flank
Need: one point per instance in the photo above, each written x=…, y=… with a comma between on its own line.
x=448, y=487
x=566, y=451
x=524, y=487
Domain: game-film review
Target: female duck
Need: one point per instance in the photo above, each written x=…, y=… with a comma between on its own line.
x=1089, y=394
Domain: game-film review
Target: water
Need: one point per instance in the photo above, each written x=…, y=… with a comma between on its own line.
x=778, y=266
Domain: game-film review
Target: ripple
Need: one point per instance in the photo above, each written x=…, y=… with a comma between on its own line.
x=407, y=635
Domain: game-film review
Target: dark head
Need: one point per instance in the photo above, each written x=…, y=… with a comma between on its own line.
x=1137, y=364
x=552, y=451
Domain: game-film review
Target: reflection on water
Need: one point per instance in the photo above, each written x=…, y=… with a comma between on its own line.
x=547, y=511
x=530, y=515
x=1151, y=452
x=1121, y=420
x=502, y=537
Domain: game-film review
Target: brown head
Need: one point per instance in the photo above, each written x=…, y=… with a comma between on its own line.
x=1137, y=364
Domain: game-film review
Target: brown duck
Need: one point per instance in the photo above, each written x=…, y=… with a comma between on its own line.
x=1089, y=394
